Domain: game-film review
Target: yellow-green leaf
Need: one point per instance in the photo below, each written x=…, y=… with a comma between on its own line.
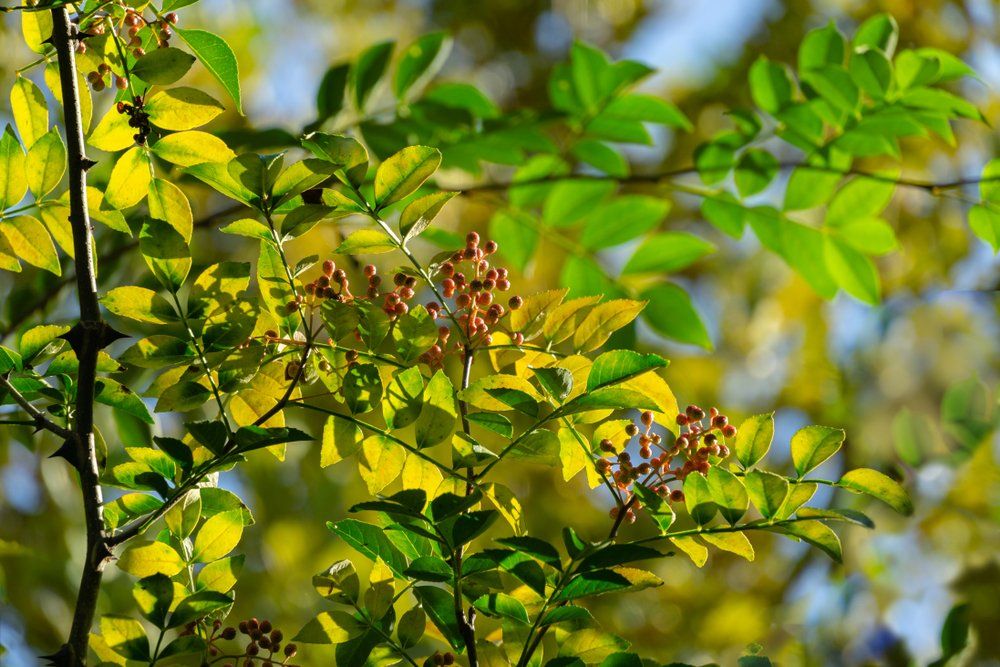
x=129, y=180
x=603, y=320
x=113, y=133
x=168, y=203
x=814, y=444
x=753, y=439
x=45, y=164
x=404, y=172
x=144, y=560
x=139, y=304
x=366, y=242
x=880, y=486
x=32, y=242
x=13, y=182
x=736, y=543
x=218, y=536
x=695, y=550
x=193, y=147
x=380, y=462
x=31, y=113
x=341, y=439
x=182, y=108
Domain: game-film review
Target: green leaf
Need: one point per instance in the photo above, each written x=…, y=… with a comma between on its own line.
x=368, y=70
x=419, y=60
x=330, y=627
x=622, y=219
x=767, y=491
x=557, y=382
x=430, y=568
x=620, y=365
x=345, y=152
x=125, y=636
x=591, y=646
x=403, y=398
x=493, y=422
x=612, y=555
x=770, y=85
x=120, y=397
x=45, y=164
x=985, y=223
x=517, y=231
x=438, y=414
x=371, y=541
x=649, y=109
x=146, y=559
x=540, y=446
x=503, y=606
x=218, y=536
x=154, y=596
x=362, y=388
x=872, y=71
x=728, y=493
x=672, y=314
x=330, y=96
x=31, y=241
x=181, y=108
x=197, y=606
x=755, y=171
x=13, y=181
x=339, y=582
x=813, y=445
x=139, y=304
x=698, y=498
x=414, y=333
x=667, y=253
x=877, y=32
x=35, y=340
x=593, y=582
x=877, y=485
x=753, y=439
x=404, y=172
x=366, y=242
x=218, y=58
x=440, y=606
x=808, y=188
x=853, y=271
x=571, y=200
x=164, y=66
x=817, y=534
x=419, y=213
x=657, y=508
x=166, y=252
x=822, y=46
x=411, y=626
x=601, y=156
x=220, y=575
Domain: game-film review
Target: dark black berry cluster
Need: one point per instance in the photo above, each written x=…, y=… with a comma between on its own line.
x=137, y=118
x=700, y=445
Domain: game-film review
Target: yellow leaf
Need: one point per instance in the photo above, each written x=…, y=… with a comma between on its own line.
x=113, y=133
x=168, y=203
x=31, y=113
x=144, y=560
x=32, y=242
x=696, y=551
x=419, y=473
x=129, y=180
x=341, y=439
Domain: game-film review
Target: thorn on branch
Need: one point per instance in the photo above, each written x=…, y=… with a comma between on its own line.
x=87, y=163
x=67, y=450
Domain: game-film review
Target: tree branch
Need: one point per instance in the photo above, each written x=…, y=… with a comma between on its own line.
x=87, y=338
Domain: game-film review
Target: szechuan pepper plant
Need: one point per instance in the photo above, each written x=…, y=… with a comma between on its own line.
x=409, y=350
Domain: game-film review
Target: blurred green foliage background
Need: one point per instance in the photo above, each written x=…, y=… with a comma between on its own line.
x=914, y=381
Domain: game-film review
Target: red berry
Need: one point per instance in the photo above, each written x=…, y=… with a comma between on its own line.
x=515, y=302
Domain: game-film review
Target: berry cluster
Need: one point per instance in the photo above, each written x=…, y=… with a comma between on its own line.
x=477, y=309
x=700, y=445
x=262, y=637
x=138, y=119
x=128, y=31
x=439, y=659
x=331, y=284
